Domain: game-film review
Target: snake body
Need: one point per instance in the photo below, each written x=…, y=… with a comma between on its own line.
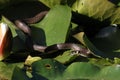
x=21, y=24
x=36, y=18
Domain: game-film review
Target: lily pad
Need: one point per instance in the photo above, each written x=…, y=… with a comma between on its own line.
x=66, y=57
x=88, y=71
x=97, y=9
x=19, y=74
x=81, y=71
x=6, y=69
x=109, y=73
x=54, y=27
x=48, y=68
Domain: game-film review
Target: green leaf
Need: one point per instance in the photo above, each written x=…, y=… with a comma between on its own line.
x=54, y=27
x=102, y=62
x=117, y=60
x=31, y=59
x=97, y=9
x=48, y=68
x=88, y=71
x=109, y=73
x=6, y=69
x=119, y=4
x=19, y=74
x=51, y=3
x=115, y=18
x=66, y=57
x=80, y=70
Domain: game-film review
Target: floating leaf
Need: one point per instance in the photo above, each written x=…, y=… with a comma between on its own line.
x=66, y=57
x=48, y=68
x=79, y=36
x=102, y=62
x=97, y=9
x=109, y=73
x=115, y=18
x=107, y=10
x=30, y=60
x=80, y=70
x=88, y=71
x=19, y=74
x=6, y=69
x=54, y=27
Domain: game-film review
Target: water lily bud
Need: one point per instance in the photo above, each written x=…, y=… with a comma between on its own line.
x=5, y=41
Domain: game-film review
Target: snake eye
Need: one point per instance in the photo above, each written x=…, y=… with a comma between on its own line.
x=5, y=41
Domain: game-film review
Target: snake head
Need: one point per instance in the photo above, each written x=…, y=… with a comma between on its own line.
x=5, y=41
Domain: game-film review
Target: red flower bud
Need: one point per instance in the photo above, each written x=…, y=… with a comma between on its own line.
x=5, y=41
